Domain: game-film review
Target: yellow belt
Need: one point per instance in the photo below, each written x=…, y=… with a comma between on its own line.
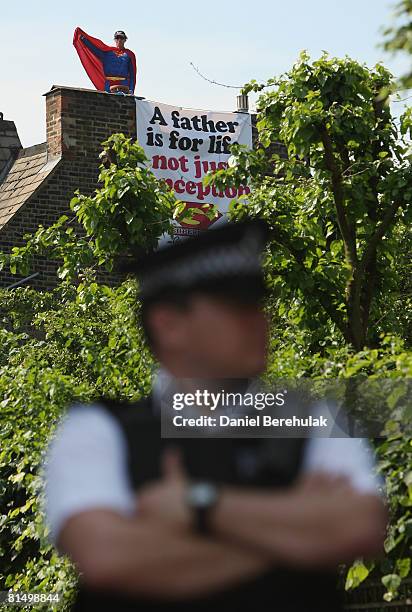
x=113, y=78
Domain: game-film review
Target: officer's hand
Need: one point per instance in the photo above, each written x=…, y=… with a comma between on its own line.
x=165, y=499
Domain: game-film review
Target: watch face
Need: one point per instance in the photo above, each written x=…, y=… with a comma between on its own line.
x=202, y=495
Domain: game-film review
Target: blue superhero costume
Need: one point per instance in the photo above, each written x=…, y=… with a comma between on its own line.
x=117, y=66
x=106, y=66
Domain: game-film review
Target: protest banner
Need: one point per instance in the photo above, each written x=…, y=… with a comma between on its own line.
x=185, y=144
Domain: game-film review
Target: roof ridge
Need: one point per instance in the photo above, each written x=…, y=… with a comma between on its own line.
x=33, y=150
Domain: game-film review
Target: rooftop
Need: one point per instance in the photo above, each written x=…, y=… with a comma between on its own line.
x=9, y=145
x=27, y=173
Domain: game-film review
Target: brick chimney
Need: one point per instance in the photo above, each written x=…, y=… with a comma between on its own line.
x=78, y=120
x=9, y=145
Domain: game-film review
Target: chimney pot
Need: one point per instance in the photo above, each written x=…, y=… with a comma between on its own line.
x=242, y=103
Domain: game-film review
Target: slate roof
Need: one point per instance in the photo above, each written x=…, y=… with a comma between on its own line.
x=27, y=173
x=9, y=145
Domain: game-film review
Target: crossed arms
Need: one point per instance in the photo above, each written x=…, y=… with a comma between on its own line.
x=319, y=522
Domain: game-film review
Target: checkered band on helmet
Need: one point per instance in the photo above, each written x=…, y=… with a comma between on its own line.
x=216, y=262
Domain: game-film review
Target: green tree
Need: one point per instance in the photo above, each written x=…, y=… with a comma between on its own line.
x=87, y=344
x=336, y=204
x=398, y=36
x=339, y=211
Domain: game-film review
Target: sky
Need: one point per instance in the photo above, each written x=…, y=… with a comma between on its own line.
x=230, y=42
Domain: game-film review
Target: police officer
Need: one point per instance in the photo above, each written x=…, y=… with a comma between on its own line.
x=151, y=526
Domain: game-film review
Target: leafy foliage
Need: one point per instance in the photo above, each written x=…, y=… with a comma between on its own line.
x=398, y=37
x=338, y=263
x=131, y=209
x=87, y=344
x=333, y=204
x=387, y=370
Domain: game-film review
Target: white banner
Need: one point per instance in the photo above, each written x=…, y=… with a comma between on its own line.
x=183, y=145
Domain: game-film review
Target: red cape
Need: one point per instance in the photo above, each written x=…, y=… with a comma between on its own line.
x=92, y=65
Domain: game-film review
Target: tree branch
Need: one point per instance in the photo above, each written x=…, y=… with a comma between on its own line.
x=378, y=235
x=337, y=188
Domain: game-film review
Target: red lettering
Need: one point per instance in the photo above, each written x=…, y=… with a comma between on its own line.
x=159, y=159
x=230, y=192
x=216, y=193
x=202, y=191
x=172, y=163
x=179, y=189
x=243, y=190
x=191, y=187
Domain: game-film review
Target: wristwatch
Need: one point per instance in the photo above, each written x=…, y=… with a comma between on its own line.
x=201, y=497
